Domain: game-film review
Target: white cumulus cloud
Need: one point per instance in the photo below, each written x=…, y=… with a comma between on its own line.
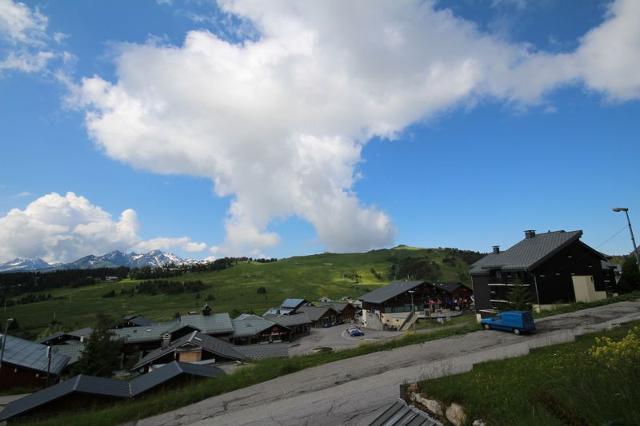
x=25, y=44
x=279, y=122
x=62, y=228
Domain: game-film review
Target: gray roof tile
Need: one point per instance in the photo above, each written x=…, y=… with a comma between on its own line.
x=289, y=320
x=528, y=253
x=399, y=413
x=250, y=325
x=315, y=312
x=27, y=354
x=170, y=371
x=207, y=343
x=101, y=387
x=395, y=288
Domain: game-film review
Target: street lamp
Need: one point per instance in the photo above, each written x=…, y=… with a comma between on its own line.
x=4, y=339
x=633, y=240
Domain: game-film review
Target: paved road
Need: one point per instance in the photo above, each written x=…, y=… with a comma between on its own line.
x=352, y=391
x=337, y=338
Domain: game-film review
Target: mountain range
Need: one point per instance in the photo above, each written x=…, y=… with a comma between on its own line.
x=154, y=258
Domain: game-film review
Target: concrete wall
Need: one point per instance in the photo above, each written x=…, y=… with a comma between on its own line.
x=584, y=289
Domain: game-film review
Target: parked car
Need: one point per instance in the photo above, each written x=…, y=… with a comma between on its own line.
x=515, y=321
x=355, y=332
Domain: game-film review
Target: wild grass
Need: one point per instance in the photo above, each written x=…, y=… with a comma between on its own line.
x=556, y=385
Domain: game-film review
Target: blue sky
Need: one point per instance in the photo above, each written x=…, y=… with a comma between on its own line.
x=470, y=173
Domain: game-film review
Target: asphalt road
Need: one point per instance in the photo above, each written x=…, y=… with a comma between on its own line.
x=352, y=391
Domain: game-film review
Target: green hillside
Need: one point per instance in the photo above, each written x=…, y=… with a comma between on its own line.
x=236, y=289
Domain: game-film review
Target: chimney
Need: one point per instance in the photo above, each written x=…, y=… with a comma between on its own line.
x=529, y=233
x=166, y=340
x=496, y=249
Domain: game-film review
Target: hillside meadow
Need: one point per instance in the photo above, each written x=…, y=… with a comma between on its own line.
x=235, y=289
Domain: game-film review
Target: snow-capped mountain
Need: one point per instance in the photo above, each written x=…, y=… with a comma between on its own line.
x=154, y=259
x=21, y=264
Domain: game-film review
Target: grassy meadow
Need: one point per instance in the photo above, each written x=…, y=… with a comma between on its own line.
x=309, y=277
x=556, y=385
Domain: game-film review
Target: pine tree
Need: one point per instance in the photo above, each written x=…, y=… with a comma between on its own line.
x=630, y=279
x=519, y=297
x=101, y=354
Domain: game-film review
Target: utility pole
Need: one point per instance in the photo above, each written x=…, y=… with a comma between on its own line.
x=4, y=339
x=633, y=240
x=48, y=364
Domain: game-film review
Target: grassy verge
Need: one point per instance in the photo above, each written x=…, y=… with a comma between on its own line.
x=557, y=385
x=432, y=324
x=581, y=305
x=256, y=373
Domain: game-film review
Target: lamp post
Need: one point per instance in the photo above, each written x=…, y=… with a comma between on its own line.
x=633, y=240
x=4, y=339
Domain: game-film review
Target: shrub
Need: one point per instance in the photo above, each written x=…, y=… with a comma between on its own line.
x=618, y=354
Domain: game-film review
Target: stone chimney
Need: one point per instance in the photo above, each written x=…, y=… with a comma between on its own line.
x=529, y=233
x=496, y=249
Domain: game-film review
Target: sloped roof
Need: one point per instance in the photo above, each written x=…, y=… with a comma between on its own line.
x=258, y=352
x=395, y=288
x=139, y=320
x=449, y=287
x=145, y=333
x=101, y=387
x=250, y=325
x=71, y=349
x=337, y=306
x=207, y=343
x=399, y=413
x=170, y=371
x=292, y=303
x=289, y=320
x=528, y=253
x=315, y=312
x=52, y=337
x=81, y=332
x=27, y=354
x=209, y=324
x=84, y=384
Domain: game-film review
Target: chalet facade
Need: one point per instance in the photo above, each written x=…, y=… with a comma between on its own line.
x=298, y=324
x=193, y=348
x=555, y=267
x=398, y=297
x=320, y=316
x=248, y=329
x=345, y=310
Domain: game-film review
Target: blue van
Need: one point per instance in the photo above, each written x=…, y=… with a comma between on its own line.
x=516, y=321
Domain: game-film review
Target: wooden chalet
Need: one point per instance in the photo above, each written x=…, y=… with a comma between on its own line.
x=555, y=267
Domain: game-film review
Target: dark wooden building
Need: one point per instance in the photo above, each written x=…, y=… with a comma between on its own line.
x=26, y=364
x=320, y=316
x=346, y=311
x=299, y=324
x=248, y=329
x=555, y=267
x=398, y=297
